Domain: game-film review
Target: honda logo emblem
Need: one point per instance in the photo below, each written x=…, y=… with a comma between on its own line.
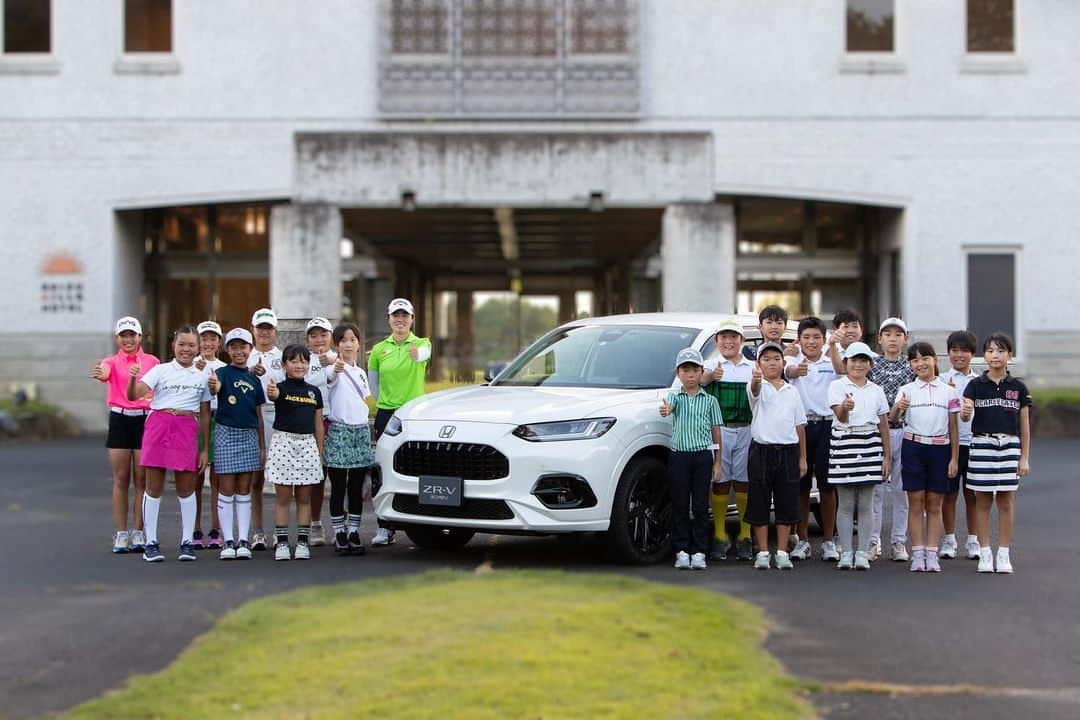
x=447, y=431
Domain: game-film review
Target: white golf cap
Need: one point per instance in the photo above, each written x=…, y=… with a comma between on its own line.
x=893, y=322
x=688, y=355
x=857, y=349
x=264, y=316
x=769, y=346
x=239, y=334
x=399, y=304
x=210, y=326
x=127, y=323
x=730, y=325
x=319, y=322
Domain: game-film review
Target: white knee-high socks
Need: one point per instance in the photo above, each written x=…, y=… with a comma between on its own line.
x=225, y=516
x=243, y=516
x=150, y=508
x=187, y=517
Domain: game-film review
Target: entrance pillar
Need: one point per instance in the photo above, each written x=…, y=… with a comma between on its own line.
x=305, y=260
x=698, y=253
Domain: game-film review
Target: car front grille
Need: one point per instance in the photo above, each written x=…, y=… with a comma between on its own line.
x=471, y=508
x=468, y=461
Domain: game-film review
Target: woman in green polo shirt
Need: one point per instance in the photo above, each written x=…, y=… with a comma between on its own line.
x=396, y=368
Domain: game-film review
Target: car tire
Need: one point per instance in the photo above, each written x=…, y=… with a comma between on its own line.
x=640, y=528
x=434, y=537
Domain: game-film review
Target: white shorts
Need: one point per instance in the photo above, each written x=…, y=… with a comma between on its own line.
x=734, y=453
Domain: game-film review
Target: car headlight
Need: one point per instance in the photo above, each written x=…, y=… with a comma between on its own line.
x=586, y=429
x=393, y=426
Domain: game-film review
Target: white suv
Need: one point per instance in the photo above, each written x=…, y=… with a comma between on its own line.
x=567, y=439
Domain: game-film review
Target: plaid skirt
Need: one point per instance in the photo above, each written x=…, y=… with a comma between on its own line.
x=293, y=459
x=236, y=450
x=348, y=446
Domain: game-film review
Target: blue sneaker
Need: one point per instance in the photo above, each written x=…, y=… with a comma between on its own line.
x=152, y=553
x=187, y=552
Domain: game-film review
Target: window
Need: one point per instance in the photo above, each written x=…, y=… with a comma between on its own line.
x=27, y=26
x=508, y=28
x=599, y=28
x=419, y=27
x=871, y=26
x=991, y=26
x=147, y=26
x=770, y=225
x=991, y=292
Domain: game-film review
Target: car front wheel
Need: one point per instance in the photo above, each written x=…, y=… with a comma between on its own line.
x=640, y=529
x=439, y=538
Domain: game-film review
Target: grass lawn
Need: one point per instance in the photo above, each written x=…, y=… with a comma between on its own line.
x=531, y=644
x=1055, y=396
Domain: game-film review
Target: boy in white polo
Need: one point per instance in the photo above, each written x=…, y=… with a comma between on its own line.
x=777, y=457
x=265, y=362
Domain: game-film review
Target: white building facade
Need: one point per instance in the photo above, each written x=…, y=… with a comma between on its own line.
x=181, y=159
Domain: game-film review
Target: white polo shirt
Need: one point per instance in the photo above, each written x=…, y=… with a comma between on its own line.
x=931, y=404
x=177, y=387
x=212, y=366
x=347, y=395
x=317, y=376
x=777, y=412
x=814, y=387
x=870, y=402
x=742, y=370
x=961, y=382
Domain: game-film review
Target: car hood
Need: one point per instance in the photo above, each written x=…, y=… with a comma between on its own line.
x=518, y=405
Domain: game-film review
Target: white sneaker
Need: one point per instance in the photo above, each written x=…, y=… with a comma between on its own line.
x=829, y=551
x=1004, y=563
x=847, y=560
x=302, y=552
x=762, y=561
x=138, y=540
x=948, y=547
x=899, y=552
x=801, y=551
x=986, y=560
x=281, y=551
x=697, y=561
x=317, y=535
x=971, y=547
x=783, y=560
x=862, y=560
x=873, y=552
x=385, y=536
x=121, y=543
x=228, y=552
x=682, y=558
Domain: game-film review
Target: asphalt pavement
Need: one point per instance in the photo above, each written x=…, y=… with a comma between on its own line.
x=76, y=620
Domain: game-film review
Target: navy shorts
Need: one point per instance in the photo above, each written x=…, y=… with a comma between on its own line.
x=962, y=463
x=818, y=435
x=925, y=467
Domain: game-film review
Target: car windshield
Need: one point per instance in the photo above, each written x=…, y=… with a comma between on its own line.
x=607, y=356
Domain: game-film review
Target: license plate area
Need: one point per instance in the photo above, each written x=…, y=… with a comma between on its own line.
x=440, y=490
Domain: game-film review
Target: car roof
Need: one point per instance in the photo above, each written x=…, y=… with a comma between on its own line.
x=700, y=320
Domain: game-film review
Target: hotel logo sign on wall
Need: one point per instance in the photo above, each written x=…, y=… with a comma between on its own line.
x=62, y=285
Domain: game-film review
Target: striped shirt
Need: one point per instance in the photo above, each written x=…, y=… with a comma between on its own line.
x=693, y=418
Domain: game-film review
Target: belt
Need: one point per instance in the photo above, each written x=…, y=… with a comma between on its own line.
x=130, y=412
x=927, y=439
x=734, y=425
x=896, y=426
x=178, y=413
x=810, y=417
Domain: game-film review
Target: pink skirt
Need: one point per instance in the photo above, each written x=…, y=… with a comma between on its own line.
x=171, y=442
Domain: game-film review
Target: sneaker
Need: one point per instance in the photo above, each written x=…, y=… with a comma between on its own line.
x=829, y=551
x=302, y=552
x=846, y=562
x=948, y=547
x=873, y=552
x=121, y=543
x=744, y=551
x=187, y=552
x=258, y=540
x=918, y=561
x=986, y=560
x=228, y=552
x=783, y=560
x=720, y=550
x=862, y=560
x=317, y=536
x=341, y=543
x=801, y=551
x=761, y=562
x=385, y=536
x=682, y=559
x=213, y=540
x=281, y=551
x=243, y=550
x=899, y=552
x=1004, y=562
x=697, y=561
x=152, y=553
x=932, y=564
x=138, y=540
x=356, y=545
x=197, y=540
x=971, y=547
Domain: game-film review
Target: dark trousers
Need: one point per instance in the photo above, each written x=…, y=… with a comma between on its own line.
x=382, y=416
x=689, y=480
x=818, y=437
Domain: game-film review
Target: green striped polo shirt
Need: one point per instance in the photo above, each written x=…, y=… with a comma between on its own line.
x=693, y=418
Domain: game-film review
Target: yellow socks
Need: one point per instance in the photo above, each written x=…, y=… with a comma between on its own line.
x=719, y=513
x=740, y=503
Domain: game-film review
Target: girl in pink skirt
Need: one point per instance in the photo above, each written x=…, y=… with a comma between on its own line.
x=180, y=406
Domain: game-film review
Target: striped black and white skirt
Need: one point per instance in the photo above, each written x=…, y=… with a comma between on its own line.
x=855, y=455
x=993, y=463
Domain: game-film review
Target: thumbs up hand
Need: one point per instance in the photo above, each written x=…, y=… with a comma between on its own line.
x=792, y=350
x=665, y=408
x=214, y=384
x=968, y=409
x=259, y=370
x=756, y=375
x=339, y=366
x=849, y=402
x=272, y=391
x=903, y=403
x=98, y=372
x=200, y=363
x=950, y=381
x=134, y=371
x=802, y=369
x=414, y=353
x=325, y=360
